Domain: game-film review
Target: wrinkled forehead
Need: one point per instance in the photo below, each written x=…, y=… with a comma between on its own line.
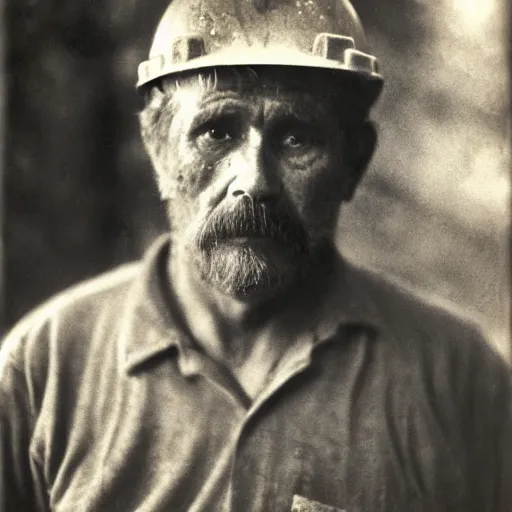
x=321, y=87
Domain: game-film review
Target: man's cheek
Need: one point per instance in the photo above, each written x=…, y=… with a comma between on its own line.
x=317, y=202
x=184, y=219
x=194, y=173
x=181, y=177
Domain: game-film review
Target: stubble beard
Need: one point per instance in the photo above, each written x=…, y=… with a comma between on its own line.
x=249, y=250
x=243, y=271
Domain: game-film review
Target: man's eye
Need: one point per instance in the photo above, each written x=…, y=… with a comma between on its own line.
x=294, y=141
x=299, y=140
x=217, y=132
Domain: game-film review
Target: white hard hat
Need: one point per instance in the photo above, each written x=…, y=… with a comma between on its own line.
x=325, y=34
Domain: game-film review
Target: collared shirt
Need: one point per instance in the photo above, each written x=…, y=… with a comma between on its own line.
x=387, y=405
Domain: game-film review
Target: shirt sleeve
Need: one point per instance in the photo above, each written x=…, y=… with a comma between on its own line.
x=503, y=444
x=20, y=489
x=504, y=494
x=490, y=424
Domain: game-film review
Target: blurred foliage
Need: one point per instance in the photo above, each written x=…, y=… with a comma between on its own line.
x=79, y=195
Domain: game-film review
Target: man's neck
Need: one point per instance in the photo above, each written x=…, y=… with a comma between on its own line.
x=245, y=336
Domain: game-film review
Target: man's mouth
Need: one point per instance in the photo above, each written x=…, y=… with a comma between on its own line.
x=256, y=240
x=248, y=238
x=252, y=224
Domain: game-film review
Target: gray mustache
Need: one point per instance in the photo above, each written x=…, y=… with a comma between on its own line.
x=253, y=219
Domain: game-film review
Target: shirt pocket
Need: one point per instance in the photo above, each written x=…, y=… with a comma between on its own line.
x=303, y=504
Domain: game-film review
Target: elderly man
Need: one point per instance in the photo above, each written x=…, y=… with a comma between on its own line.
x=243, y=365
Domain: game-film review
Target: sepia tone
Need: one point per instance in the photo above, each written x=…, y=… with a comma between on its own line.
x=78, y=190
x=240, y=363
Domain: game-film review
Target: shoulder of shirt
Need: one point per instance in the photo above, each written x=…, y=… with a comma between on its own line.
x=433, y=356
x=419, y=322
x=390, y=296
x=84, y=299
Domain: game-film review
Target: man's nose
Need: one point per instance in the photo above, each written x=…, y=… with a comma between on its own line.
x=255, y=174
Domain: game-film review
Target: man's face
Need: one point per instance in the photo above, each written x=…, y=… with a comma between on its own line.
x=253, y=174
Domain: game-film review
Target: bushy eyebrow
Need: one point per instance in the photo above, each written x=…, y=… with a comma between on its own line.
x=283, y=107
x=305, y=112
x=215, y=109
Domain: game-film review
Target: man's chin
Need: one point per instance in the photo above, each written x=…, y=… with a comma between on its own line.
x=251, y=268
x=264, y=247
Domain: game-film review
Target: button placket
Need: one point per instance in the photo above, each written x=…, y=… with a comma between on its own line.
x=264, y=449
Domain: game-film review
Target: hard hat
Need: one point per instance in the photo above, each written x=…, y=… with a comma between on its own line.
x=325, y=34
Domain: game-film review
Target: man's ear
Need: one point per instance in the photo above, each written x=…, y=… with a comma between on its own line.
x=360, y=144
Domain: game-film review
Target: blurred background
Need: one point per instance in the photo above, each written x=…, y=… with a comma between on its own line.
x=433, y=212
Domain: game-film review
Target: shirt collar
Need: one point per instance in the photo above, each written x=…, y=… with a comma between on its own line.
x=349, y=303
x=149, y=328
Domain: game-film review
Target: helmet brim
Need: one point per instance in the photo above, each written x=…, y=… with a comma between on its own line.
x=159, y=67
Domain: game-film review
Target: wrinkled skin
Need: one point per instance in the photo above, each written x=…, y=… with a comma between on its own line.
x=272, y=163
